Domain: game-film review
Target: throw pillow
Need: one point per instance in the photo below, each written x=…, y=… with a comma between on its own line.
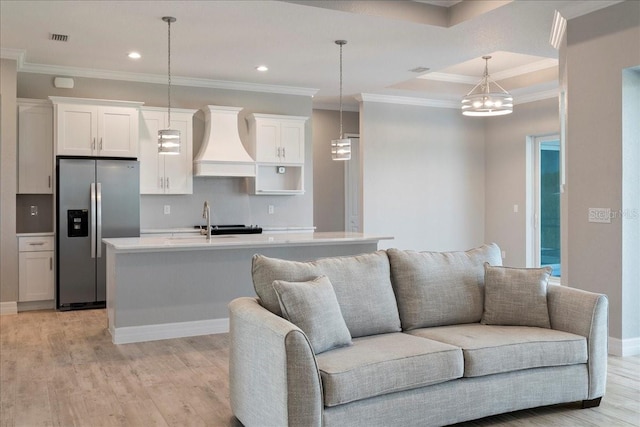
x=362, y=285
x=440, y=288
x=313, y=307
x=516, y=296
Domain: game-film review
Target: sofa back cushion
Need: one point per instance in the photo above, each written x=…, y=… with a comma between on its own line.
x=440, y=288
x=362, y=285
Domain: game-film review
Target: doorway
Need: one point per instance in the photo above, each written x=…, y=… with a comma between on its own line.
x=353, y=187
x=545, y=232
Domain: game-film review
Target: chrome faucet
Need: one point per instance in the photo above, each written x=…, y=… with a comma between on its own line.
x=206, y=213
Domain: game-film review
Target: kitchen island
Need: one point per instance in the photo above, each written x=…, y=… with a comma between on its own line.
x=179, y=286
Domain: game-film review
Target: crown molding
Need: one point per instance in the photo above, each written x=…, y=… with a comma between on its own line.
x=536, y=96
x=14, y=54
x=542, y=64
x=161, y=79
x=440, y=103
x=406, y=100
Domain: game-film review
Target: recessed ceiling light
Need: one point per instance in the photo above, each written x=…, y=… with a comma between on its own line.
x=134, y=55
x=262, y=68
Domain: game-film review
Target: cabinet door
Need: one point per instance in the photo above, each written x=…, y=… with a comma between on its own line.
x=35, y=149
x=36, y=276
x=178, y=169
x=77, y=130
x=118, y=132
x=267, y=141
x=292, y=142
x=151, y=163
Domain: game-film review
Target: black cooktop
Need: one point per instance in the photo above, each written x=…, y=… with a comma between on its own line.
x=232, y=229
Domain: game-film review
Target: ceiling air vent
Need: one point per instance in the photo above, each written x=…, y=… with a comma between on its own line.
x=59, y=37
x=419, y=69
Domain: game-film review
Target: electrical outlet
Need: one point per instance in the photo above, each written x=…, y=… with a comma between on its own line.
x=34, y=210
x=167, y=209
x=504, y=254
x=271, y=209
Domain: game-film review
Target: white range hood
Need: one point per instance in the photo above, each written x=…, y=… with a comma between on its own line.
x=222, y=152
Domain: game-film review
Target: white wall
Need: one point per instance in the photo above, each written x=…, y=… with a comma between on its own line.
x=599, y=47
x=8, y=182
x=506, y=173
x=423, y=176
x=328, y=175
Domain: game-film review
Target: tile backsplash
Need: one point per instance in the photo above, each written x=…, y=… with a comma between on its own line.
x=34, y=213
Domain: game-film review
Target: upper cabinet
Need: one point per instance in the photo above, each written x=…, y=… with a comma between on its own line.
x=277, y=144
x=277, y=139
x=91, y=127
x=35, y=146
x=165, y=173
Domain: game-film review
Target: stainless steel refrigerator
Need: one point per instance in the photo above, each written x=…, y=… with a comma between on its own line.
x=95, y=199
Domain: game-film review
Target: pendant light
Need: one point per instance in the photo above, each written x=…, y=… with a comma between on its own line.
x=341, y=148
x=169, y=139
x=487, y=98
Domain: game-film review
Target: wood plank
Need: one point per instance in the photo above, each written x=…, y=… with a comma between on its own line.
x=61, y=369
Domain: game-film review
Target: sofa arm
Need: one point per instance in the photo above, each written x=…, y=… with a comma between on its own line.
x=273, y=375
x=584, y=313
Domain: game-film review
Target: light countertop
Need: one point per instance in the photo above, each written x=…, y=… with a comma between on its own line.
x=233, y=241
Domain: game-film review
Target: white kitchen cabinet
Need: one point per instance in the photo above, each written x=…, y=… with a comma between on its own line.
x=35, y=146
x=35, y=275
x=277, y=144
x=91, y=127
x=277, y=139
x=165, y=173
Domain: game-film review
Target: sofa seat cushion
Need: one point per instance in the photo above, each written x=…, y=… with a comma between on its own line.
x=381, y=364
x=490, y=349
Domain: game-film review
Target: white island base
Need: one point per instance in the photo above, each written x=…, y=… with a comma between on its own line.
x=160, y=288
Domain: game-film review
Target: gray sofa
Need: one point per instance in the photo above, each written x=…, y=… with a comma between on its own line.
x=431, y=338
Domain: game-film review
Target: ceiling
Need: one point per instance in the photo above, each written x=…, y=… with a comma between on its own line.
x=220, y=43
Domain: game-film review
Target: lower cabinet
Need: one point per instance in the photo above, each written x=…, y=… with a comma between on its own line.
x=36, y=274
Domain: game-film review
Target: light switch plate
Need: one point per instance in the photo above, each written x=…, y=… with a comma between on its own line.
x=600, y=215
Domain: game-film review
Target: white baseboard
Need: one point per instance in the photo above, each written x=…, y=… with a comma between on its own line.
x=624, y=348
x=10, y=307
x=132, y=334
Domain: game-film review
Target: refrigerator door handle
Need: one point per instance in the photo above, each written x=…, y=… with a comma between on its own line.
x=99, y=219
x=93, y=220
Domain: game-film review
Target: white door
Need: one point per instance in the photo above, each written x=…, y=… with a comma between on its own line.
x=353, y=187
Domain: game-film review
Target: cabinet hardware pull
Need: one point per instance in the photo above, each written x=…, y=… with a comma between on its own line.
x=284, y=155
x=36, y=243
x=161, y=182
x=168, y=183
x=101, y=143
x=50, y=263
x=49, y=181
x=278, y=152
x=93, y=144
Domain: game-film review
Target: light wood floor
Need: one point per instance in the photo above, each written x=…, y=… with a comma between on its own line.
x=62, y=369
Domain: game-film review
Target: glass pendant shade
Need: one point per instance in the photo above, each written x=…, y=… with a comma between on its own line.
x=487, y=98
x=169, y=141
x=341, y=149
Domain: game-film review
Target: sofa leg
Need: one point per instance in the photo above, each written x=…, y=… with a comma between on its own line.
x=593, y=403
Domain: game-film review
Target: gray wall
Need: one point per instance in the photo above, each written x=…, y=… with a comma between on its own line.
x=599, y=47
x=8, y=183
x=506, y=173
x=328, y=175
x=423, y=177
x=230, y=202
